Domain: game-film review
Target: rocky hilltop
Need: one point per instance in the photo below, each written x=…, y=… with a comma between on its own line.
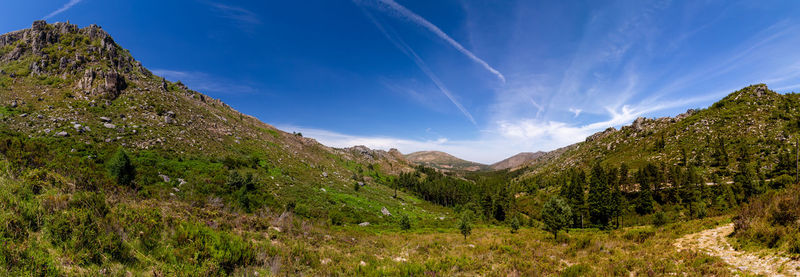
x=754, y=116
x=443, y=161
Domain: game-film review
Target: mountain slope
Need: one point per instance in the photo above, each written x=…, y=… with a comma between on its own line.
x=754, y=118
x=516, y=160
x=443, y=161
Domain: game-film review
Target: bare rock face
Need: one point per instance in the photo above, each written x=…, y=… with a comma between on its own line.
x=109, y=84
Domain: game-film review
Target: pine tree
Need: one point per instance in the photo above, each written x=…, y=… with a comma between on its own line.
x=556, y=215
x=465, y=225
x=599, y=199
x=573, y=192
x=646, y=177
x=624, y=180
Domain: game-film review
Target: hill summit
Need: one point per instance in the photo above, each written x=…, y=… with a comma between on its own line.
x=443, y=161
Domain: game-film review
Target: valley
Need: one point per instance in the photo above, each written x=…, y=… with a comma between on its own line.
x=108, y=169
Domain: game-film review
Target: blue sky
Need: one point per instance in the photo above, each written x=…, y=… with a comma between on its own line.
x=482, y=80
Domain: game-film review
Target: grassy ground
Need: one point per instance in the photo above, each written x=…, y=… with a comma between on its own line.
x=51, y=229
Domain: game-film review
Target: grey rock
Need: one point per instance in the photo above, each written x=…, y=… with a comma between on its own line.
x=325, y=174
x=105, y=119
x=23, y=115
x=385, y=212
x=109, y=125
x=638, y=124
x=363, y=224
x=164, y=177
x=62, y=134
x=14, y=104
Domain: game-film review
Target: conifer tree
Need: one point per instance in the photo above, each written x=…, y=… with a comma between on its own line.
x=599, y=198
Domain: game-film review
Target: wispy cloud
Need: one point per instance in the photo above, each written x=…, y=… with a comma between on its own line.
x=576, y=111
x=243, y=18
x=407, y=14
x=408, y=51
x=64, y=8
x=205, y=82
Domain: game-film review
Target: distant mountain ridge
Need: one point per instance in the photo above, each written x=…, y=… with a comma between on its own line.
x=517, y=160
x=444, y=161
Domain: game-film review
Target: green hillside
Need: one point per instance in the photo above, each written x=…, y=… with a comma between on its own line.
x=764, y=122
x=73, y=102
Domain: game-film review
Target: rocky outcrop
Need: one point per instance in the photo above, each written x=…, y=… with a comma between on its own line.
x=109, y=84
x=600, y=135
x=101, y=61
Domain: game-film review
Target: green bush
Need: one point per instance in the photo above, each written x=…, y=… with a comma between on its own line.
x=405, y=222
x=781, y=181
x=659, y=219
x=121, y=168
x=793, y=244
x=576, y=270
x=197, y=244
x=514, y=225
x=639, y=235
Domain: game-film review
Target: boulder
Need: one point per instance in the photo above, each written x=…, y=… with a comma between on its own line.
x=638, y=124
x=363, y=224
x=109, y=125
x=105, y=119
x=385, y=212
x=62, y=134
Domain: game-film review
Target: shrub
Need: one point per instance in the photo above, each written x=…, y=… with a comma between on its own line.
x=782, y=214
x=336, y=217
x=781, y=181
x=514, y=225
x=794, y=244
x=639, y=235
x=405, y=222
x=576, y=270
x=659, y=219
x=200, y=245
x=121, y=168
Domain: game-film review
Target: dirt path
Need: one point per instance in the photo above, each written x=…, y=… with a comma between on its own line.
x=712, y=242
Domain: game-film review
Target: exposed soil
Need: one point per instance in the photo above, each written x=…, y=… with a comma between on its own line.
x=713, y=242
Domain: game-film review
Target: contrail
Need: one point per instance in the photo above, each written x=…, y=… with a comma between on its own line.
x=408, y=14
x=400, y=44
x=62, y=9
